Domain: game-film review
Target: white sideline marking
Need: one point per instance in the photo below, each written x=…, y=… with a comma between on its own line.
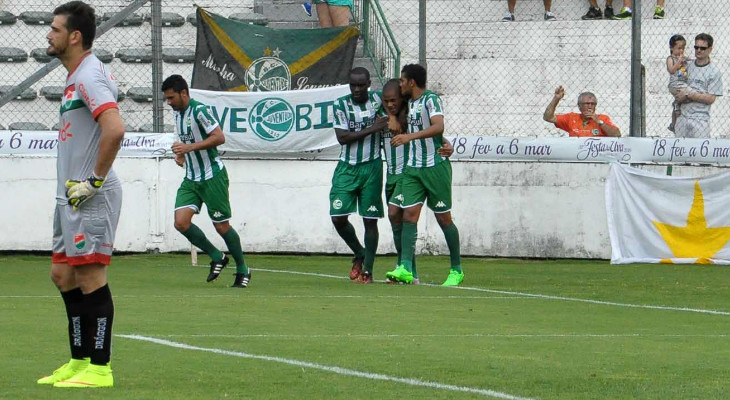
x=336, y=370
x=471, y=335
x=540, y=296
x=202, y=296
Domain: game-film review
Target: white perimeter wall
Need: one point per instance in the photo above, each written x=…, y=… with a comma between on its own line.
x=501, y=209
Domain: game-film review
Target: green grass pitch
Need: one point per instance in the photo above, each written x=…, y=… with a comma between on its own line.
x=517, y=329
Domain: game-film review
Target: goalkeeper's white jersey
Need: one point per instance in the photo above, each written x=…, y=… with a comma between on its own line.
x=90, y=90
x=194, y=125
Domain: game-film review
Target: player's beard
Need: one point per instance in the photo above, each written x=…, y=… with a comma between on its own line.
x=55, y=51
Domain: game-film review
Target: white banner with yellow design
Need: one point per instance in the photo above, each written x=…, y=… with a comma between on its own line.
x=663, y=219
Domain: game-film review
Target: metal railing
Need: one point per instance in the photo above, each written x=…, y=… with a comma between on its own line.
x=378, y=39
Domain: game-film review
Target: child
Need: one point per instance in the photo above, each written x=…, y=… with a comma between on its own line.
x=677, y=68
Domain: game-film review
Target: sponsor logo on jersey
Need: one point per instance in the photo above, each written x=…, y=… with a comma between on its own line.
x=399, y=197
x=268, y=74
x=440, y=204
x=91, y=103
x=372, y=209
x=271, y=119
x=337, y=204
x=217, y=214
x=79, y=241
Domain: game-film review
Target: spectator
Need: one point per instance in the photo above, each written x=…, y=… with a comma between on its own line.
x=677, y=68
x=705, y=84
x=333, y=12
x=587, y=123
x=626, y=12
x=510, y=16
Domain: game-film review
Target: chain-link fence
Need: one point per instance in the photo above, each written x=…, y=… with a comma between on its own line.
x=495, y=77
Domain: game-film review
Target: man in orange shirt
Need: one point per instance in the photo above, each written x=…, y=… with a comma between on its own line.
x=587, y=123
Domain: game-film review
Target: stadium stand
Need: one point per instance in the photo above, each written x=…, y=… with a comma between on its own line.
x=27, y=126
x=12, y=54
x=28, y=94
x=7, y=18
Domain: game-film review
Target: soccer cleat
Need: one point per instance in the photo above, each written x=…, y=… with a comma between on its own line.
x=608, y=13
x=94, y=376
x=400, y=274
x=549, y=16
x=65, y=371
x=307, y=6
x=509, y=17
x=216, y=267
x=454, y=279
x=242, y=280
x=671, y=127
x=659, y=12
x=623, y=15
x=593, y=13
x=364, y=278
x=356, y=268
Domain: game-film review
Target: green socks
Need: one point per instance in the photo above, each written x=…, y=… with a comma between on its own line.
x=347, y=233
x=198, y=239
x=451, y=233
x=397, y=233
x=408, y=244
x=371, y=246
x=233, y=242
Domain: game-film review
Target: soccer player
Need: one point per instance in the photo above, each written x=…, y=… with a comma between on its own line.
x=395, y=107
x=358, y=178
x=206, y=179
x=88, y=198
x=427, y=175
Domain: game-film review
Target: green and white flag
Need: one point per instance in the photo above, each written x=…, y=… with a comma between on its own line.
x=237, y=56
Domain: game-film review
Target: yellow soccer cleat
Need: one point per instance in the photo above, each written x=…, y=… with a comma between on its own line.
x=66, y=371
x=94, y=376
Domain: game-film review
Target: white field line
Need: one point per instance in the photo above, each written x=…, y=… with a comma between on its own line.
x=333, y=369
x=203, y=296
x=468, y=335
x=533, y=295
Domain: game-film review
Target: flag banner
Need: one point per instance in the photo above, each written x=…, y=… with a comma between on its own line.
x=236, y=56
x=271, y=123
x=663, y=219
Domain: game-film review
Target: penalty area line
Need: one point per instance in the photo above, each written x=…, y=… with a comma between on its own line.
x=328, y=368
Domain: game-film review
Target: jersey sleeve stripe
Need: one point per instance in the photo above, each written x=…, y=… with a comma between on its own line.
x=103, y=108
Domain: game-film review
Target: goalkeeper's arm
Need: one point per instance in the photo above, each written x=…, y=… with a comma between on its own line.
x=112, y=133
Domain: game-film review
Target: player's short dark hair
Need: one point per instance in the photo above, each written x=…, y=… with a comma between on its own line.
x=393, y=84
x=415, y=72
x=676, y=38
x=175, y=82
x=80, y=17
x=360, y=71
x=706, y=37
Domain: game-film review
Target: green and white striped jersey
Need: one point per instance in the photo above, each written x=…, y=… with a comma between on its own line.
x=422, y=152
x=194, y=125
x=353, y=117
x=395, y=157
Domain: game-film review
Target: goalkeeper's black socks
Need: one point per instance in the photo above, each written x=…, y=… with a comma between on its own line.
x=347, y=233
x=77, y=323
x=371, y=246
x=198, y=239
x=233, y=241
x=100, y=311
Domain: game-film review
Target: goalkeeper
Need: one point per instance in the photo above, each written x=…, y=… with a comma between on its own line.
x=206, y=179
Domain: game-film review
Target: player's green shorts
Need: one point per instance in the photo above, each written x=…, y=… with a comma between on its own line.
x=432, y=183
x=344, y=3
x=213, y=192
x=358, y=186
x=394, y=189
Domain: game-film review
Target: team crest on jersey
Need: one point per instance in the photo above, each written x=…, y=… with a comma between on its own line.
x=271, y=119
x=71, y=99
x=337, y=204
x=268, y=74
x=79, y=241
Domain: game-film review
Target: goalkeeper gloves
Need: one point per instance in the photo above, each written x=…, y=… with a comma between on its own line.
x=80, y=191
